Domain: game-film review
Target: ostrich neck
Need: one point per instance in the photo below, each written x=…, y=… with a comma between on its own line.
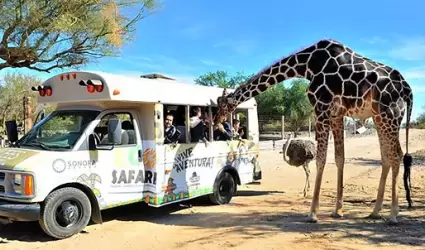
x=285, y=151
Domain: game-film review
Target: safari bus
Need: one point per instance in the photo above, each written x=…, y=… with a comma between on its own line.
x=103, y=146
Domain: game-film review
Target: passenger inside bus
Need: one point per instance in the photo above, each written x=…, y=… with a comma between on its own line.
x=171, y=133
x=200, y=122
x=197, y=125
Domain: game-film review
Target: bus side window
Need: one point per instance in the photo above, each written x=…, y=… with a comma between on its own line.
x=241, y=116
x=128, y=136
x=199, y=123
x=227, y=125
x=178, y=114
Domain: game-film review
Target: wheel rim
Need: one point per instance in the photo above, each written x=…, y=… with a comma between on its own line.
x=225, y=188
x=68, y=213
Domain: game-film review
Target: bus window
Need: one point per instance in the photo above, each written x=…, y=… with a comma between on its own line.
x=199, y=119
x=128, y=132
x=240, y=123
x=177, y=115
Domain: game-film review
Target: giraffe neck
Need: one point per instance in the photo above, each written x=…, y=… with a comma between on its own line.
x=294, y=66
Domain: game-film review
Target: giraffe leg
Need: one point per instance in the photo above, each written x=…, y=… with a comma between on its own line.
x=395, y=159
x=307, y=179
x=384, y=174
x=391, y=159
x=322, y=137
x=338, y=134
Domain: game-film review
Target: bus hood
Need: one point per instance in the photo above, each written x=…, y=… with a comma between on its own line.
x=13, y=158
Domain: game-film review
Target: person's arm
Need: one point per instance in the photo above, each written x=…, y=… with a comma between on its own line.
x=227, y=135
x=176, y=136
x=224, y=132
x=166, y=140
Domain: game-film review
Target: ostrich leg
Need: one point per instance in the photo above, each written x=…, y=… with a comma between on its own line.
x=307, y=179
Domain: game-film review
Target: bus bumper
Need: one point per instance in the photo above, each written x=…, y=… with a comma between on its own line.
x=13, y=211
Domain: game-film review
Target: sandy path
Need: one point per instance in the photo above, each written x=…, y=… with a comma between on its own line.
x=266, y=216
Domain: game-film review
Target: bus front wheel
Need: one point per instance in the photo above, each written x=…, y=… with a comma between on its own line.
x=224, y=188
x=65, y=212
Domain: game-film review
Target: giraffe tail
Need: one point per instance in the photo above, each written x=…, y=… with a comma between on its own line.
x=407, y=158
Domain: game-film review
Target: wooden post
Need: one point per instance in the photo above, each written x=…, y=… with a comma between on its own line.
x=283, y=127
x=210, y=127
x=355, y=126
x=28, y=122
x=309, y=127
x=187, y=116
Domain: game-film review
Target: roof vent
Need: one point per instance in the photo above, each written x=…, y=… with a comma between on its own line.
x=156, y=76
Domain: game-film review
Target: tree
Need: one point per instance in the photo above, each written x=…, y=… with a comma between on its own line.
x=297, y=108
x=221, y=79
x=14, y=87
x=45, y=35
x=420, y=121
x=272, y=100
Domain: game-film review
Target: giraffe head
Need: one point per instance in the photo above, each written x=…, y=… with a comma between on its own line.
x=226, y=104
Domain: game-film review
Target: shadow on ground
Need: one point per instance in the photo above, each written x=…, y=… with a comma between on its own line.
x=255, y=224
x=364, y=161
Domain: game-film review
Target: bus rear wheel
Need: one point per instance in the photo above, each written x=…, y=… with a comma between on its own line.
x=66, y=211
x=224, y=188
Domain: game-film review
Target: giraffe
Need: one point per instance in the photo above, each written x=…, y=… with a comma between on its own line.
x=342, y=83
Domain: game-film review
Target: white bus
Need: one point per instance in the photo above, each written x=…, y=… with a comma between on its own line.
x=103, y=146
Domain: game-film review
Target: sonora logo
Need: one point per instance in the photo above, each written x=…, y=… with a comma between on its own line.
x=59, y=165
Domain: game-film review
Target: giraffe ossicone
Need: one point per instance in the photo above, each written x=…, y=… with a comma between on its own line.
x=342, y=83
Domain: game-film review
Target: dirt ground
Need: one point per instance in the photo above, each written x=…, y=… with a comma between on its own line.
x=266, y=216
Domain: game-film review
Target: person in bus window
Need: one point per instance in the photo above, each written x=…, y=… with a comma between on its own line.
x=235, y=129
x=221, y=133
x=197, y=126
x=171, y=133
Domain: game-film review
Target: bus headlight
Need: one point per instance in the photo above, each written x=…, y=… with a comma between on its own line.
x=21, y=184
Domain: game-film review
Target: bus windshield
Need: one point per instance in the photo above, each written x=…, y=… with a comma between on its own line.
x=58, y=131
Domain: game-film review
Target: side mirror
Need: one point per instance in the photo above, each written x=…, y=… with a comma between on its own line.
x=12, y=131
x=114, y=130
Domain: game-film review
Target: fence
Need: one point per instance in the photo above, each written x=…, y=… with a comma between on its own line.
x=273, y=127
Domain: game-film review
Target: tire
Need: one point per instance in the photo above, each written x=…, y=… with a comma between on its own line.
x=223, y=190
x=54, y=224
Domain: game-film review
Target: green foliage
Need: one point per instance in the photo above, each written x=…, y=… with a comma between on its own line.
x=420, y=121
x=290, y=102
x=44, y=35
x=272, y=101
x=297, y=108
x=61, y=125
x=12, y=90
x=221, y=79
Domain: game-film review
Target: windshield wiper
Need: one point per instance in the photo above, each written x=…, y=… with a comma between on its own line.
x=37, y=143
x=45, y=146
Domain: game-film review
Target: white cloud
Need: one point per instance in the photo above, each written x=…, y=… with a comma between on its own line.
x=409, y=49
x=375, y=40
x=238, y=46
x=215, y=64
x=197, y=30
x=155, y=64
x=415, y=73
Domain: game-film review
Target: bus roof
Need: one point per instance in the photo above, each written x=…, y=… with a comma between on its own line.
x=74, y=87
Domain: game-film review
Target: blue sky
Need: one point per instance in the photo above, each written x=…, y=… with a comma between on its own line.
x=187, y=38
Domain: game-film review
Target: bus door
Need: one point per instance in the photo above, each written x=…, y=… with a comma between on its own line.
x=121, y=166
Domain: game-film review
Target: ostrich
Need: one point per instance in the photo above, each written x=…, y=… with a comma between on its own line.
x=300, y=152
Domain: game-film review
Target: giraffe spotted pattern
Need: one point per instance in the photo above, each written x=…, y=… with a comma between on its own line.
x=342, y=83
